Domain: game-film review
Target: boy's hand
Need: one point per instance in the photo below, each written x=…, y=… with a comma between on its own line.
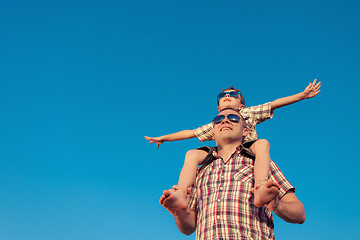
x=156, y=140
x=312, y=90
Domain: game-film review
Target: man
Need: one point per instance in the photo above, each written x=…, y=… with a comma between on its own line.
x=221, y=205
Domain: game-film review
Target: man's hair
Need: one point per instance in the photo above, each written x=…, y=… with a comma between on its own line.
x=231, y=88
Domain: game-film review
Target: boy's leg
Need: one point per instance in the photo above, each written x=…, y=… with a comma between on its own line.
x=178, y=198
x=262, y=193
x=188, y=173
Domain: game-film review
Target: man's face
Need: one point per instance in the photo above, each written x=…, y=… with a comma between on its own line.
x=230, y=102
x=229, y=130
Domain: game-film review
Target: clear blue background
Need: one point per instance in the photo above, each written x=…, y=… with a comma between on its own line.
x=81, y=83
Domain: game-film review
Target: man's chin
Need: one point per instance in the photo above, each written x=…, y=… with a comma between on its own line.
x=226, y=136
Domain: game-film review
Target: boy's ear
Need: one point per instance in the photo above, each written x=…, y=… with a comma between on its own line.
x=213, y=137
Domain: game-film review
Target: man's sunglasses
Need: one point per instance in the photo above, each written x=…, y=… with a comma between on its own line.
x=232, y=118
x=234, y=94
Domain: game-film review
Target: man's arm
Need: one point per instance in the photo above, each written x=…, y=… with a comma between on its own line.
x=289, y=208
x=185, y=221
x=182, y=135
x=310, y=91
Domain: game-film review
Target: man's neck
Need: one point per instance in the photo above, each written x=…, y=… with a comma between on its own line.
x=225, y=150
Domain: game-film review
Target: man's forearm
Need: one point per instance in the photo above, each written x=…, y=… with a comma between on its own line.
x=185, y=221
x=290, y=209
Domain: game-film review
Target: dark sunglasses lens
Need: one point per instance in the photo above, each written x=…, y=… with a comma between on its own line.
x=218, y=119
x=221, y=95
x=233, y=94
x=233, y=118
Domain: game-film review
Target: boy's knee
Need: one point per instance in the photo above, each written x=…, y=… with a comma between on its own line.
x=262, y=143
x=195, y=154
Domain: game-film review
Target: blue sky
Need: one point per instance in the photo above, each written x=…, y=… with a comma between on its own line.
x=83, y=81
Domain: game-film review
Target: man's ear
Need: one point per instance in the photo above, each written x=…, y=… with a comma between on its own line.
x=245, y=132
x=218, y=108
x=213, y=137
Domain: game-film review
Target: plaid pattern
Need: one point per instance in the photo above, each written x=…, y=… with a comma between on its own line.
x=224, y=203
x=252, y=116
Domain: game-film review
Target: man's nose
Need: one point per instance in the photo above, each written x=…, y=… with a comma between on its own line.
x=226, y=120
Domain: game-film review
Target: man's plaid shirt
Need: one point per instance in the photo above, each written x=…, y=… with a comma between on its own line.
x=252, y=116
x=222, y=198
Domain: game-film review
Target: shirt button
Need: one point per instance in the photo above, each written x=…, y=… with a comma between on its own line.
x=219, y=200
x=218, y=217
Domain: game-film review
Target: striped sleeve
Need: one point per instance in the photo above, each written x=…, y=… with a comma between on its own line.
x=261, y=112
x=205, y=133
x=192, y=199
x=277, y=176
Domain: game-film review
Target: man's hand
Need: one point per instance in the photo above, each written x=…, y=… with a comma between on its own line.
x=289, y=208
x=312, y=90
x=273, y=204
x=156, y=140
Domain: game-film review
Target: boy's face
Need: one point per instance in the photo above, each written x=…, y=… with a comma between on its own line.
x=230, y=102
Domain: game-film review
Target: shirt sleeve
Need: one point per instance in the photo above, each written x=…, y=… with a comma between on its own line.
x=192, y=203
x=260, y=113
x=277, y=176
x=205, y=133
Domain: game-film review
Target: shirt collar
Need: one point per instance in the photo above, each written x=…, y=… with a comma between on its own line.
x=239, y=149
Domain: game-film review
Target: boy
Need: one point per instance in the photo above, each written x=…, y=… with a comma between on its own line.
x=232, y=98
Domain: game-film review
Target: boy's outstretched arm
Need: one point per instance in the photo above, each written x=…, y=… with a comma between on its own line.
x=182, y=135
x=310, y=91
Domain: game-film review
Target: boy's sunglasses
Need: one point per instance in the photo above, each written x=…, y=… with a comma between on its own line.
x=232, y=118
x=231, y=94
